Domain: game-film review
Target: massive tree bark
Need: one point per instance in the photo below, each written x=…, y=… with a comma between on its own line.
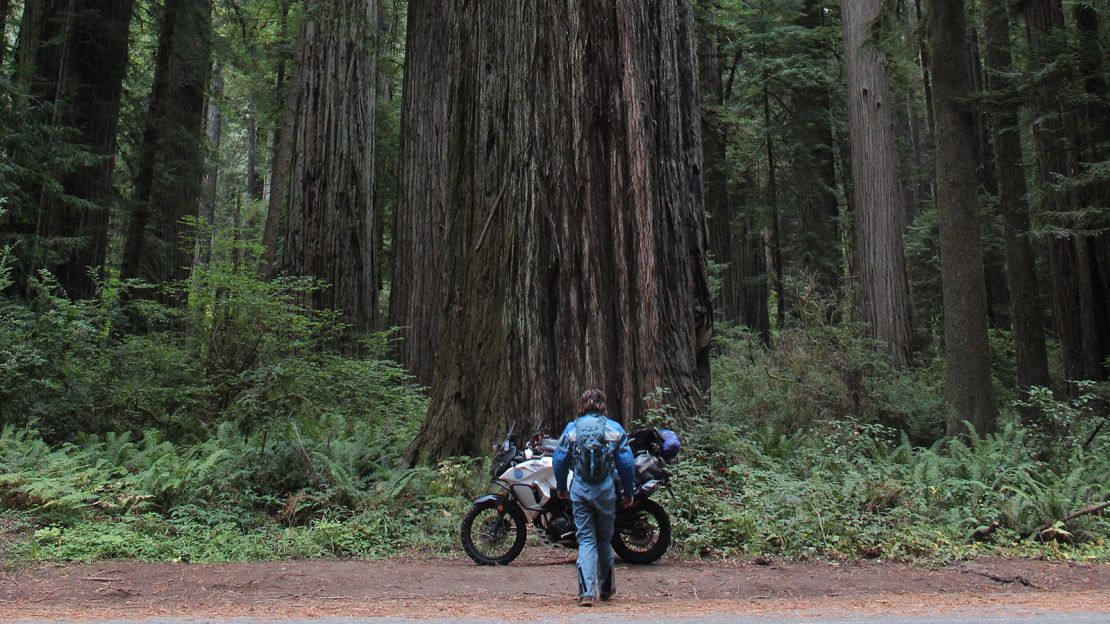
x=1027, y=320
x=79, y=59
x=1054, y=133
x=418, y=235
x=331, y=212
x=967, y=379
x=879, y=203
x=170, y=176
x=576, y=234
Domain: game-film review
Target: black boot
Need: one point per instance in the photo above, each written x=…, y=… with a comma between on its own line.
x=607, y=587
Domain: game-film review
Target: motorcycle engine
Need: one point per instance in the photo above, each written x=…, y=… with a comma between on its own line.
x=559, y=528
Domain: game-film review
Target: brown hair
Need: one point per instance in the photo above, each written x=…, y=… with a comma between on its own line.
x=592, y=400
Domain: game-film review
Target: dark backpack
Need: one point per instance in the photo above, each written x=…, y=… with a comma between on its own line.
x=592, y=452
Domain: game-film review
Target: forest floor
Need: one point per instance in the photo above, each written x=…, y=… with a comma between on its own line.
x=543, y=584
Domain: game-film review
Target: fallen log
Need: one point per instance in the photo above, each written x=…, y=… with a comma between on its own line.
x=1068, y=518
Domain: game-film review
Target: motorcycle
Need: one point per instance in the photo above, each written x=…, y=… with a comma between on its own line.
x=495, y=528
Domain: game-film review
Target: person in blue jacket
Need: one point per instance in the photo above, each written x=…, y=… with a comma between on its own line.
x=594, y=445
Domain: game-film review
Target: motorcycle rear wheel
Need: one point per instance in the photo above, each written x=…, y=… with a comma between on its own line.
x=492, y=537
x=643, y=538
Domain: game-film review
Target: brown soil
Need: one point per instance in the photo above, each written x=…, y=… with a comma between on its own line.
x=543, y=584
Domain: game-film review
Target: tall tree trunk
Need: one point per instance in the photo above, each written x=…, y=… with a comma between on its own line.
x=331, y=212
x=818, y=211
x=279, y=163
x=255, y=182
x=79, y=62
x=879, y=204
x=967, y=379
x=1021, y=273
x=213, y=132
x=171, y=161
x=924, y=62
x=418, y=228
x=774, y=238
x=576, y=234
x=5, y=10
x=1094, y=150
x=718, y=207
x=734, y=240
x=1054, y=134
x=998, y=294
x=750, y=259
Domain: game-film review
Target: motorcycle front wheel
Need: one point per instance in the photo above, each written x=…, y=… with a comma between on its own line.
x=492, y=537
x=643, y=535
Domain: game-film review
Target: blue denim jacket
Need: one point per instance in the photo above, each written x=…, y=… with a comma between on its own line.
x=615, y=435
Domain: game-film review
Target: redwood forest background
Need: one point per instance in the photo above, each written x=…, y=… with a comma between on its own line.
x=275, y=273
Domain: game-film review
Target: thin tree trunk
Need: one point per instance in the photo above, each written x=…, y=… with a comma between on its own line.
x=213, y=131
x=576, y=232
x=418, y=228
x=750, y=257
x=880, y=212
x=998, y=295
x=774, y=241
x=79, y=58
x=279, y=164
x=1021, y=274
x=719, y=213
x=967, y=380
x=733, y=234
x=255, y=183
x=171, y=162
x=237, y=233
x=331, y=213
x=924, y=62
x=5, y=10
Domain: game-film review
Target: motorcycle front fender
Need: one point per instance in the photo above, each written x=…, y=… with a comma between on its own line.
x=499, y=499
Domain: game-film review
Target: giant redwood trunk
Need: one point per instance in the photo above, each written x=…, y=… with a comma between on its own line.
x=330, y=210
x=575, y=233
x=1027, y=320
x=967, y=379
x=79, y=62
x=878, y=200
x=418, y=235
x=1054, y=134
x=170, y=175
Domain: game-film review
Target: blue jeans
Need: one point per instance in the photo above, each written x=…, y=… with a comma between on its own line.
x=595, y=510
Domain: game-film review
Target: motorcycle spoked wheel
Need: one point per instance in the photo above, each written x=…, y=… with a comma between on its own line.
x=645, y=537
x=492, y=537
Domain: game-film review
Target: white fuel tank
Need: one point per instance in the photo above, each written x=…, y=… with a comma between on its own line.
x=533, y=482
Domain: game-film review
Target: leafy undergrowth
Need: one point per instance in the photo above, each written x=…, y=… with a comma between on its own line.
x=847, y=493
x=227, y=430
x=229, y=499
